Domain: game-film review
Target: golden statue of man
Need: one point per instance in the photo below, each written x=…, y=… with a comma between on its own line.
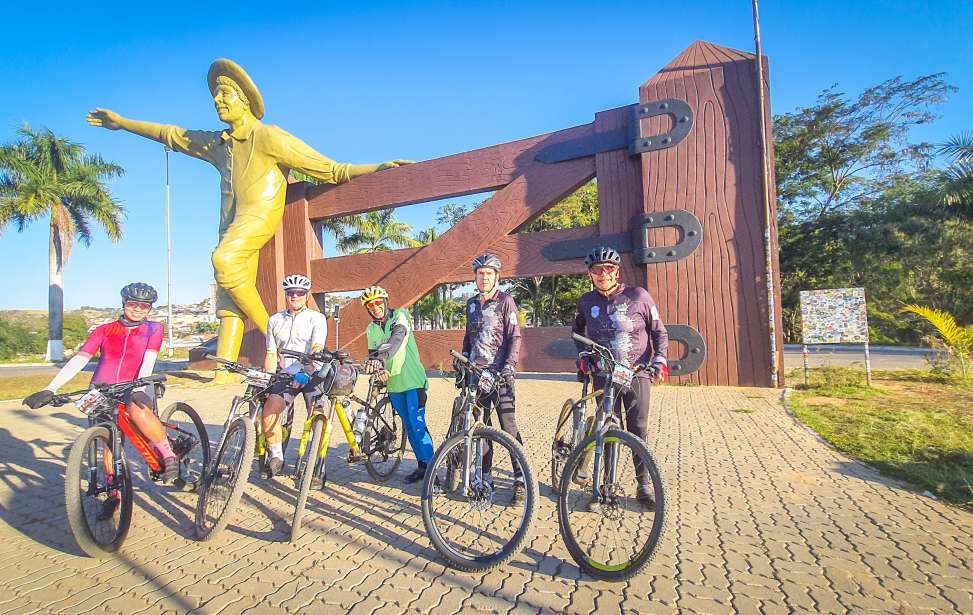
x=253, y=159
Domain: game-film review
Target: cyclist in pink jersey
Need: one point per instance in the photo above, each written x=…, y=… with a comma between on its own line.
x=129, y=347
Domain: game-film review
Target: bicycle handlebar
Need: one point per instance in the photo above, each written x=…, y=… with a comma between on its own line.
x=108, y=390
x=458, y=356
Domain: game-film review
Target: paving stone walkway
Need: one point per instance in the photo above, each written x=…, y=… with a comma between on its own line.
x=765, y=518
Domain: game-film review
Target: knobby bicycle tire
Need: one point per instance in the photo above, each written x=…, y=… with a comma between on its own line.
x=372, y=429
x=74, y=501
x=239, y=475
x=513, y=546
x=202, y=444
x=648, y=550
x=306, y=468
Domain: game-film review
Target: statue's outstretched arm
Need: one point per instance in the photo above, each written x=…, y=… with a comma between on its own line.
x=195, y=143
x=106, y=118
x=297, y=155
x=354, y=170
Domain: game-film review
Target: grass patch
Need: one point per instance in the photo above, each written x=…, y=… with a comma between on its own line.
x=912, y=426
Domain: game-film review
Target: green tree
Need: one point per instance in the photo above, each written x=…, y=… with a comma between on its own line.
x=377, y=231
x=838, y=153
x=552, y=300
x=451, y=213
x=43, y=175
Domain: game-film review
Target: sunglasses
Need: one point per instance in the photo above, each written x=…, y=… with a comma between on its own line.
x=603, y=269
x=295, y=293
x=138, y=305
x=374, y=303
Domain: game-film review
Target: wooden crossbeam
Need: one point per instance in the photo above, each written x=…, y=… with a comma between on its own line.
x=520, y=254
x=482, y=170
x=527, y=197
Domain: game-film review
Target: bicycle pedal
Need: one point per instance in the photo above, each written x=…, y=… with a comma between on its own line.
x=354, y=459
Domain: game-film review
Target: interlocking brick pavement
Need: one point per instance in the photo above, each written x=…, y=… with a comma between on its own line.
x=764, y=517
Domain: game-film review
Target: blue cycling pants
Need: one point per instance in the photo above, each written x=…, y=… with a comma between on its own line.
x=411, y=406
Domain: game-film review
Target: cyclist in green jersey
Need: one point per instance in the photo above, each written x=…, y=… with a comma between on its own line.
x=394, y=355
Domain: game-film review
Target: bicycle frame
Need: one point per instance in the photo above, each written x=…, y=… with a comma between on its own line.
x=604, y=419
x=472, y=419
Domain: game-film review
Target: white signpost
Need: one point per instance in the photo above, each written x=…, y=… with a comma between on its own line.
x=834, y=316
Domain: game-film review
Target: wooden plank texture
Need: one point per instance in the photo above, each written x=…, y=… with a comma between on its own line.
x=714, y=173
x=540, y=187
x=520, y=254
x=470, y=172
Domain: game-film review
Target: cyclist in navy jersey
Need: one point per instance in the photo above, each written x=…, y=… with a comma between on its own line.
x=492, y=341
x=626, y=320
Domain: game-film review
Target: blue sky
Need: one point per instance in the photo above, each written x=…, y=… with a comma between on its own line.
x=412, y=80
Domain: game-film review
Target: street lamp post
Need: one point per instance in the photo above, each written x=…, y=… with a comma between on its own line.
x=168, y=263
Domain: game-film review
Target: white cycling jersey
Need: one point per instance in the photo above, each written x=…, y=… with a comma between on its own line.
x=299, y=332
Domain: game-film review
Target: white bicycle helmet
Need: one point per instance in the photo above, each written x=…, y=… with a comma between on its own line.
x=296, y=280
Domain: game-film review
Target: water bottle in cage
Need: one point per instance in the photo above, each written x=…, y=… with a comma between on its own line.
x=358, y=428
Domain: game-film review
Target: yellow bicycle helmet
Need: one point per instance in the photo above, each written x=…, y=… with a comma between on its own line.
x=372, y=293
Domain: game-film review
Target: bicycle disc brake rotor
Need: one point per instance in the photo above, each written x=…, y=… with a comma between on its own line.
x=614, y=496
x=481, y=496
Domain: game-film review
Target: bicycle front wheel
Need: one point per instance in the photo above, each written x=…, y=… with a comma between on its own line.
x=305, y=473
x=612, y=532
x=383, y=441
x=99, y=506
x=190, y=442
x=481, y=524
x=223, y=484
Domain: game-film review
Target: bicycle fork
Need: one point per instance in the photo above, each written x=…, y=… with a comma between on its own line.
x=602, y=455
x=472, y=454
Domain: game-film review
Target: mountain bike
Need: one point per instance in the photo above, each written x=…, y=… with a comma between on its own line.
x=98, y=468
x=468, y=507
x=609, y=531
x=227, y=475
x=375, y=434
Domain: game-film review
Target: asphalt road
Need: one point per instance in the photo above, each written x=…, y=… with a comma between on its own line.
x=883, y=357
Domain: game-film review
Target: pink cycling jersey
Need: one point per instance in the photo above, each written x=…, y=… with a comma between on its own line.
x=122, y=349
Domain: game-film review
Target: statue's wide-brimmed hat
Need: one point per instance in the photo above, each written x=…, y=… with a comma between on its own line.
x=232, y=70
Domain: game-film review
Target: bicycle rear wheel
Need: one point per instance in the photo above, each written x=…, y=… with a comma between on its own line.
x=383, y=441
x=304, y=474
x=481, y=525
x=87, y=489
x=190, y=442
x=612, y=535
x=223, y=484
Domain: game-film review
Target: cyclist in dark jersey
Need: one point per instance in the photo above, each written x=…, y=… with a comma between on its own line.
x=492, y=341
x=129, y=347
x=626, y=320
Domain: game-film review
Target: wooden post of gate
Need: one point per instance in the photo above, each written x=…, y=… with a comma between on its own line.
x=715, y=174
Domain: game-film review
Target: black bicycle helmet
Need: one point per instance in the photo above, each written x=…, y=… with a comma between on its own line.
x=139, y=291
x=602, y=254
x=486, y=260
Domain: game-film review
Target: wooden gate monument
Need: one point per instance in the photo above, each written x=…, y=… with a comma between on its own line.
x=679, y=193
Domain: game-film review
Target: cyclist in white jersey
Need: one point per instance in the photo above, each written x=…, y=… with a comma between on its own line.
x=297, y=328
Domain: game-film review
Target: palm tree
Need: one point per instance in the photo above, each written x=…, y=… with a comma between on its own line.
x=43, y=175
x=958, y=189
x=956, y=340
x=377, y=231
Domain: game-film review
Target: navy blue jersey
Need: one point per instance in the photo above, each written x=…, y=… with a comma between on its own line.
x=627, y=322
x=492, y=337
